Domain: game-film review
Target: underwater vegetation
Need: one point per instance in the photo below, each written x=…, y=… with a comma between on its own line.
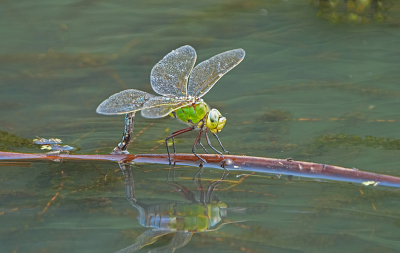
x=324, y=143
x=9, y=140
x=338, y=140
x=276, y=124
x=353, y=11
x=276, y=115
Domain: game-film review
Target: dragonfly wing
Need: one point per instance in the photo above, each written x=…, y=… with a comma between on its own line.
x=124, y=102
x=148, y=237
x=159, y=107
x=169, y=77
x=178, y=241
x=207, y=73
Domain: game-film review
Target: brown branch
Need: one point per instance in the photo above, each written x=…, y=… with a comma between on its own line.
x=232, y=162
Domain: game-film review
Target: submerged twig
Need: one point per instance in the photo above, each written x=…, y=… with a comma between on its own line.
x=232, y=162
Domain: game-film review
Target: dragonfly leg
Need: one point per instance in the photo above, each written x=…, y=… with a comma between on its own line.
x=183, y=190
x=130, y=189
x=122, y=147
x=173, y=144
x=172, y=136
x=201, y=145
x=209, y=143
x=195, y=144
x=198, y=173
x=129, y=182
x=198, y=184
x=212, y=186
x=216, y=136
x=173, y=176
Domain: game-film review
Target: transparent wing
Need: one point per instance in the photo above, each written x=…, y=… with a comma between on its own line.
x=179, y=240
x=148, y=237
x=169, y=77
x=207, y=73
x=124, y=102
x=159, y=107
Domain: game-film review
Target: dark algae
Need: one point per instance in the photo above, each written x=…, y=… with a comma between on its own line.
x=9, y=142
x=353, y=11
x=325, y=143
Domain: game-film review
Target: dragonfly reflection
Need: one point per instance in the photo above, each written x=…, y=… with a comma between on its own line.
x=182, y=218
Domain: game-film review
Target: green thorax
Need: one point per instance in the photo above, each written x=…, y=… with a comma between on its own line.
x=193, y=114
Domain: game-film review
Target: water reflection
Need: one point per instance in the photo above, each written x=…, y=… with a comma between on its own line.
x=182, y=218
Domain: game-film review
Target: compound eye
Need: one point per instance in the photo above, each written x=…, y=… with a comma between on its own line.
x=214, y=116
x=215, y=121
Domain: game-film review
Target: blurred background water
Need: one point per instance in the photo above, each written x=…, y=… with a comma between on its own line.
x=319, y=83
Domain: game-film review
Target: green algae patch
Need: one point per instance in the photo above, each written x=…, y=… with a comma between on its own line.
x=9, y=141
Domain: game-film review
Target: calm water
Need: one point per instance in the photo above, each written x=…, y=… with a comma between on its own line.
x=308, y=88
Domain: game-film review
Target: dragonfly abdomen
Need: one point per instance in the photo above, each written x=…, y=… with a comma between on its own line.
x=192, y=114
x=188, y=217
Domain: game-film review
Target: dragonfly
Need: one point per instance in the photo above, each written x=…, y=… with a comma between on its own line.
x=181, y=86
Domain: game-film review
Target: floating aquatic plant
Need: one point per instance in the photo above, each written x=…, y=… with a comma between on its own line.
x=8, y=140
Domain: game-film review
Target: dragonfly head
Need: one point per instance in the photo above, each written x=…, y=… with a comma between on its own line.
x=215, y=121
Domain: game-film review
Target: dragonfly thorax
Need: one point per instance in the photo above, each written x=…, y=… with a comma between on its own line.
x=193, y=114
x=199, y=114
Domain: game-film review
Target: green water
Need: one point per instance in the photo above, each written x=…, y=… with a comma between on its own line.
x=311, y=88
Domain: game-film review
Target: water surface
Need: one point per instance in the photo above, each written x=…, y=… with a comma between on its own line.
x=314, y=89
